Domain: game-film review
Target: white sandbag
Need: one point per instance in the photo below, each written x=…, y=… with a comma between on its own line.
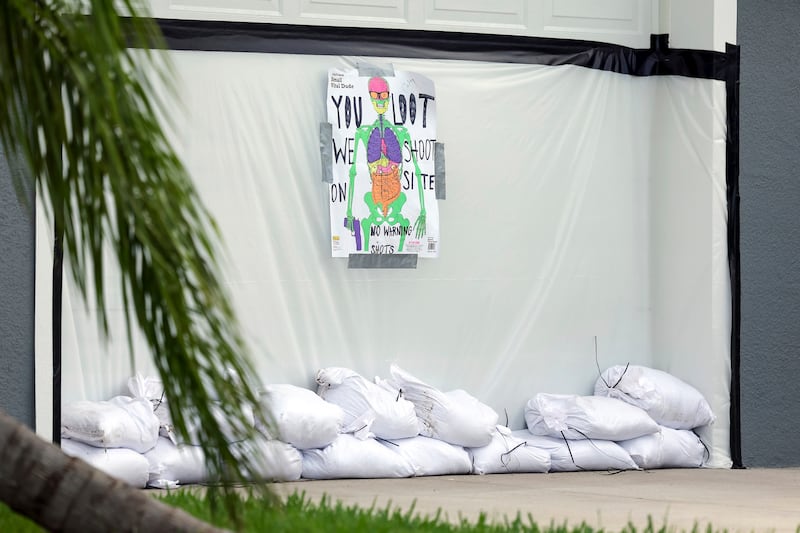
x=148, y=387
x=580, y=455
x=299, y=417
x=121, y=422
x=122, y=463
x=152, y=389
x=668, y=400
x=349, y=457
x=507, y=454
x=671, y=448
x=392, y=417
x=273, y=460
x=431, y=457
x=455, y=416
x=586, y=417
x=232, y=429
x=172, y=465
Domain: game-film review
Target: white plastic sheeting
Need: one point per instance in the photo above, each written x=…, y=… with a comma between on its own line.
x=580, y=204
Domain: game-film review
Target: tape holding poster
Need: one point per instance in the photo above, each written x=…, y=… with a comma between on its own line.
x=383, y=160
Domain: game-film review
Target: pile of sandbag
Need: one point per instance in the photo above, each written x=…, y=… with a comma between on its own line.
x=677, y=407
x=132, y=439
x=639, y=417
x=455, y=416
x=401, y=426
x=111, y=435
x=382, y=436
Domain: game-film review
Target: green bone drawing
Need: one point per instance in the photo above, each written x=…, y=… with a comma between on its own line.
x=383, y=142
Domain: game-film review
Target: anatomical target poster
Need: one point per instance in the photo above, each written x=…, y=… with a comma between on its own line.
x=382, y=198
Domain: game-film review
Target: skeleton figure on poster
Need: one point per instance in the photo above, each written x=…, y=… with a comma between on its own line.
x=384, y=141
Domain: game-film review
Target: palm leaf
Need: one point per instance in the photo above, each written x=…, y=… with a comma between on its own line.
x=77, y=105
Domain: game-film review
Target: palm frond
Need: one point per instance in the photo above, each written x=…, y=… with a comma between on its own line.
x=77, y=105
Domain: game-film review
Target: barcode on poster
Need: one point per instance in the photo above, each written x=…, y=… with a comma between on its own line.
x=431, y=246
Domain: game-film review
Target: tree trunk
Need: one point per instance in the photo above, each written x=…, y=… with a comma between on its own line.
x=62, y=493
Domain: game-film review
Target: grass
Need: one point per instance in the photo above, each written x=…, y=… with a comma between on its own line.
x=299, y=514
x=11, y=521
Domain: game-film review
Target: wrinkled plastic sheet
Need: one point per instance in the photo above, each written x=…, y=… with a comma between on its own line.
x=582, y=204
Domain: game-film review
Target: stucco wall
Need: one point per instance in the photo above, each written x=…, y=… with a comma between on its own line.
x=16, y=300
x=770, y=231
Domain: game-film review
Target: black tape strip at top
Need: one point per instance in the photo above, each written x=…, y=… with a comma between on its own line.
x=658, y=60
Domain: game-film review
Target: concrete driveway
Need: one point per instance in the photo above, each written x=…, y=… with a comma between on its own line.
x=737, y=500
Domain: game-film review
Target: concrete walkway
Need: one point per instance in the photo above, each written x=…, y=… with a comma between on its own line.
x=736, y=500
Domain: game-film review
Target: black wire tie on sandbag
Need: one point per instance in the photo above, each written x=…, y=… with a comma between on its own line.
x=622, y=375
x=569, y=449
x=600, y=373
x=597, y=363
x=157, y=402
x=505, y=457
x=610, y=471
x=505, y=441
x=707, y=454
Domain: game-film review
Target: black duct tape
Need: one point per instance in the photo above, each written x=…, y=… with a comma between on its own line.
x=657, y=60
x=58, y=273
x=382, y=261
x=732, y=52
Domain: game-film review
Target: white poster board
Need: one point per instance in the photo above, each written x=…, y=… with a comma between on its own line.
x=382, y=198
